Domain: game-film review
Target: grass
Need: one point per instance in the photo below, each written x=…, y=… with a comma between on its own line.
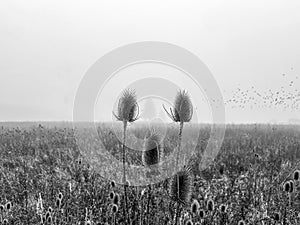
x=45, y=161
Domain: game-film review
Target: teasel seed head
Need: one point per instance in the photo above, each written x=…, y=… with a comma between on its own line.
x=8, y=206
x=276, y=216
x=115, y=208
x=111, y=195
x=210, y=205
x=296, y=175
x=128, y=109
x=195, y=207
x=183, y=108
x=189, y=222
x=241, y=222
x=223, y=208
x=286, y=186
x=58, y=203
x=5, y=221
x=113, y=184
x=201, y=213
x=60, y=195
x=116, y=199
x=291, y=186
x=185, y=186
x=152, y=150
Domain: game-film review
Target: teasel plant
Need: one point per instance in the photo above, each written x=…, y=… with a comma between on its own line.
x=151, y=156
x=180, y=188
x=127, y=112
x=181, y=113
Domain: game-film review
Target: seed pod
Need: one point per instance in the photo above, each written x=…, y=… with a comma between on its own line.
x=201, y=213
x=60, y=195
x=8, y=206
x=291, y=189
x=210, y=205
x=276, y=216
x=183, y=109
x=189, y=222
x=111, y=195
x=286, y=186
x=241, y=222
x=116, y=199
x=223, y=208
x=115, y=208
x=195, y=207
x=127, y=107
x=296, y=175
x=152, y=150
x=113, y=184
x=185, y=178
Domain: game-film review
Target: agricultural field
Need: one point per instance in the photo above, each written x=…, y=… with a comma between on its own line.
x=45, y=179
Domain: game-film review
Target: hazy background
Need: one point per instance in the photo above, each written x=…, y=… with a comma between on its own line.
x=250, y=47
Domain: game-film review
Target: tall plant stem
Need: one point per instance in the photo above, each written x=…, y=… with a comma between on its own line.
x=125, y=210
x=177, y=169
x=148, y=203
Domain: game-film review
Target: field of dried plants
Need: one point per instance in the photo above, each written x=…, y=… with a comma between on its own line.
x=253, y=180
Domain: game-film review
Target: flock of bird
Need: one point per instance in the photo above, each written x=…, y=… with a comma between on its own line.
x=286, y=97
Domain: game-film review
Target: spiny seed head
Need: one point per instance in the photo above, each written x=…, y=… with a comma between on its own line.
x=286, y=186
x=183, y=109
x=49, y=219
x=189, y=222
x=60, y=195
x=116, y=199
x=241, y=222
x=291, y=186
x=296, y=175
x=127, y=106
x=276, y=216
x=195, y=207
x=202, y=213
x=5, y=221
x=210, y=205
x=115, y=208
x=58, y=203
x=185, y=178
x=50, y=209
x=1, y=208
x=48, y=213
x=113, y=184
x=221, y=169
x=152, y=150
x=111, y=195
x=223, y=208
x=8, y=206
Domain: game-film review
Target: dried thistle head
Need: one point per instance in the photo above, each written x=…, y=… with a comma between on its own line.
x=291, y=186
x=223, y=208
x=210, y=205
x=189, y=222
x=115, y=208
x=128, y=109
x=296, y=175
x=241, y=222
x=201, y=213
x=152, y=150
x=286, y=186
x=116, y=199
x=183, y=108
x=185, y=178
x=111, y=195
x=195, y=207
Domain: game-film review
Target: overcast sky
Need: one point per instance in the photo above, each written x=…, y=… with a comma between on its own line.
x=47, y=46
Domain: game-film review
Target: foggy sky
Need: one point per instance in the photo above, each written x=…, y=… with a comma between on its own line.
x=47, y=46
